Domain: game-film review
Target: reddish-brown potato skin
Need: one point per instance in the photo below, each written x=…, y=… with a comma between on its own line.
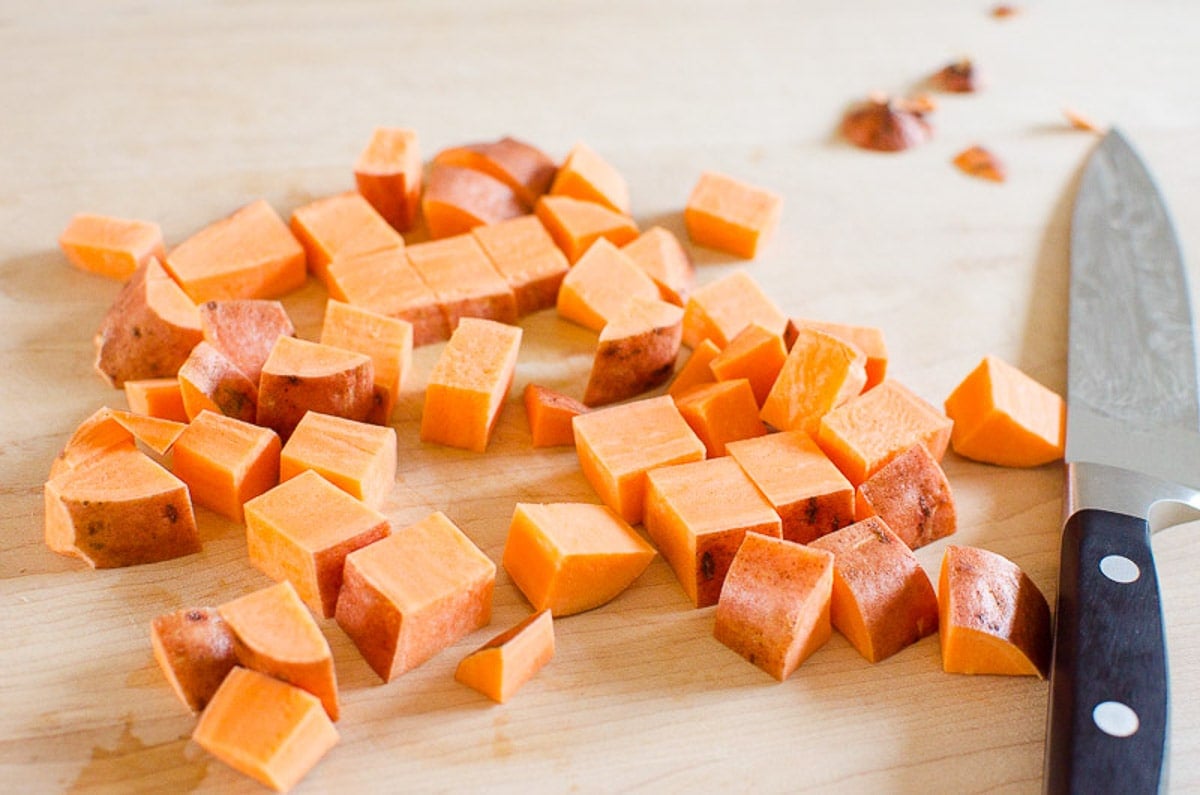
x=630, y=366
x=284, y=399
x=195, y=649
x=912, y=495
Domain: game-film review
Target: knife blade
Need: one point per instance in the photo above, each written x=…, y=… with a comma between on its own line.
x=1133, y=443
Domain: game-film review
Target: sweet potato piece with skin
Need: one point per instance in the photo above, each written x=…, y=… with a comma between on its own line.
x=194, y=649
x=301, y=376
x=388, y=175
x=343, y=225
x=463, y=279
x=993, y=619
x=249, y=254
x=882, y=598
x=575, y=224
x=587, y=176
x=97, y=434
x=358, y=458
x=119, y=508
x=112, y=247
x=386, y=283
x=911, y=494
x=868, y=339
x=600, y=285
x=659, y=253
x=720, y=413
x=731, y=215
x=501, y=666
x=636, y=352
x=457, y=200
x=820, y=373
x=527, y=170
x=719, y=310
x=522, y=251
x=149, y=330
x=226, y=462
x=245, y=330
x=775, y=607
x=388, y=341
x=550, y=414
x=210, y=381
x=695, y=370
x=756, y=354
x=266, y=729
x=156, y=397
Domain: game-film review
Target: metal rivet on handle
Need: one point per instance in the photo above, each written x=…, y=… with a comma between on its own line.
x=1115, y=719
x=1119, y=568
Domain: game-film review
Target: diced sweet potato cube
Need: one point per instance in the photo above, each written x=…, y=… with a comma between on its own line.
x=868, y=339
x=820, y=373
x=388, y=341
x=550, y=414
x=301, y=376
x=249, y=254
x=659, y=253
x=810, y=494
x=867, y=431
x=697, y=515
x=774, y=608
x=266, y=729
x=911, y=494
x=755, y=354
x=226, y=462
x=501, y=666
x=524, y=168
x=210, y=381
x=576, y=224
x=730, y=215
x=457, y=200
x=599, y=286
x=194, y=649
x=572, y=557
x=156, y=397
x=721, y=309
x=409, y=596
x=112, y=247
x=343, y=225
x=303, y=529
x=274, y=634
x=882, y=598
x=358, y=458
x=1002, y=416
x=386, y=283
x=587, y=176
x=463, y=279
x=695, y=370
x=469, y=384
x=992, y=617
x=245, y=330
x=522, y=251
x=388, y=175
x=618, y=444
x=720, y=413
x=636, y=351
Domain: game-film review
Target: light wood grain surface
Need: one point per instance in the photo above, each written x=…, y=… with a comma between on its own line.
x=181, y=112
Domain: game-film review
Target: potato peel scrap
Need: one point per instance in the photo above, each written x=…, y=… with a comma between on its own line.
x=1080, y=122
x=957, y=77
x=978, y=162
x=1004, y=11
x=886, y=125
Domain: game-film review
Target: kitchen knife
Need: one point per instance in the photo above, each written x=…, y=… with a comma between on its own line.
x=1133, y=446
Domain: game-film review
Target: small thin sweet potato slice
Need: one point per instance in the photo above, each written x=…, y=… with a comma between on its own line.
x=550, y=416
x=501, y=666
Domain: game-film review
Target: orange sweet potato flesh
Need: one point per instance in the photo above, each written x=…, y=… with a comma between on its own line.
x=501, y=666
x=194, y=649
x=820, y=373
x=1002, y=416
x=695, y=370
x=587, y=176
x=775, y=607
x=576, y=224
x=730, y=215
x=719, y=310
x=266, y=729
x=274, y=634
x=993, y=619
x=149, y=330
x=156, y=397
x=636, y=352
x=388, y=341
x=388, y=175
x=210, y=381
x=882, y=598
x=550, y=414
x=600, y=285
x=456, y=200
x=463, y=280
x=386, y=283
x=868, y=339
x=226, y=462
x=112, y=247
x=664, y=259
x=357, y=457
x=245, y=330
x=912, y=495
x=522, y=251
x=524, y=168
x=97, y=434
x=721, y=413
x=157, y=434
x=301, y=376
x=756, y=354
x=342, y=225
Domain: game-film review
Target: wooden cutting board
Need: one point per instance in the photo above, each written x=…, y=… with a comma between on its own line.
x=182, y=113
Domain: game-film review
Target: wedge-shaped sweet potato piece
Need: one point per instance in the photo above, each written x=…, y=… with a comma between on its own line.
x=249, y=254
x=637, y=351
x=755, y=354
x=112, y=247
x=469, y=384
x=245, y=330
x=303, y=529
x=119, y=508
x=149, y=330
x=522, y=251
x=343, y=225
x=730, y=215
x=194, y=649
x=1002, y=416
x=386, y=283
x=501, y=666
x=872, y=428
x=820, y=373
x=660, y=254
x=617, y=445
x=992, y=617
x=156, y=397
x=226, y=462
x=550, y=416
x=409, y=596
x=868, y=339
x=910, y=493
x=695, y=370
x=721, y=413
x=810, y=494
x=524, y=168
x=572, y=557
x=388, y=341
x=210, y=381
x=266, y=729
x=388, y=175
x=882, y=598
x=157, y=434
x=358, y=458
x=576, y=224
x=301, y=376
x=774, y=609
x=602, y=282
x=719, y=310
x=463, y=279
x=97, y=434
x=456, y=200
x=697, y=515
x=587, y=176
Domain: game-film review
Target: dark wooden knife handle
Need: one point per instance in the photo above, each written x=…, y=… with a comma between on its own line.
x=1109, y=657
